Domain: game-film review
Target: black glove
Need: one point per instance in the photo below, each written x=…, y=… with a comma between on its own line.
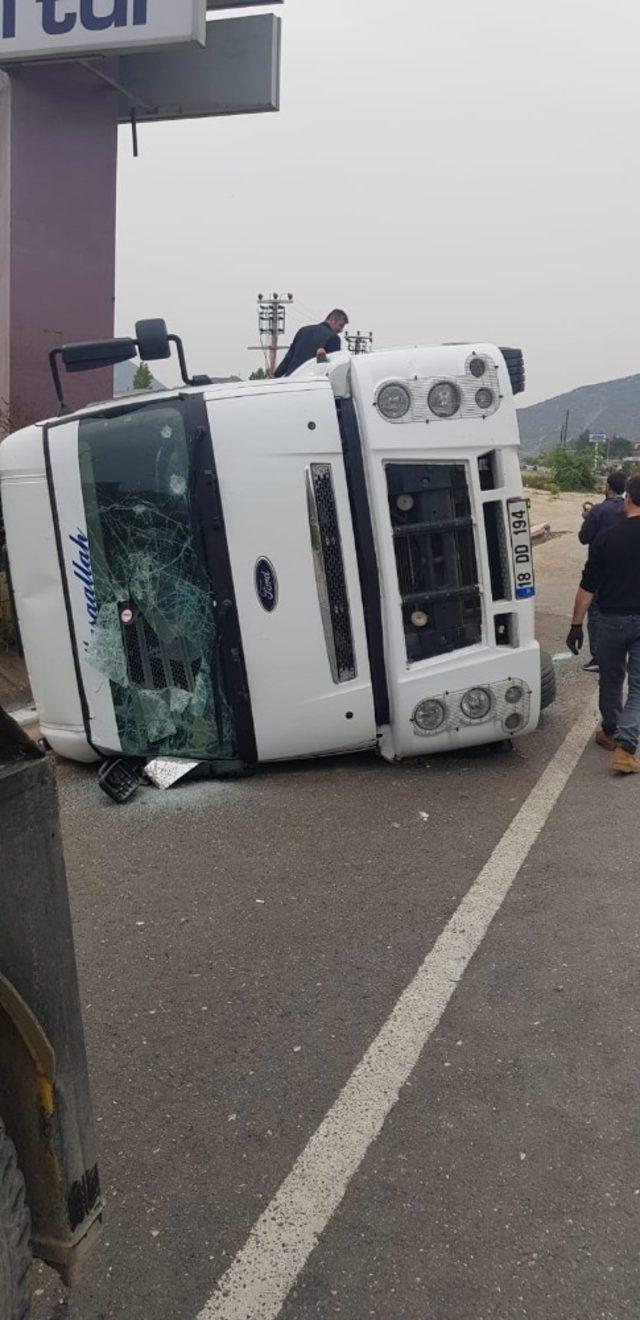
x=575, y=640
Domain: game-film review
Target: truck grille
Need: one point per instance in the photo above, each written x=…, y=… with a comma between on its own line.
x=152, y=664
x=497, y=549
x=326, y=544
x=435, y=557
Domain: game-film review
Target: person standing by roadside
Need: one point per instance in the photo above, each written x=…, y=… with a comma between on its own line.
x=596, y=521
x=613, y=575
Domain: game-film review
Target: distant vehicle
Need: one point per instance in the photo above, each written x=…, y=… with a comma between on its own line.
x=266, y=570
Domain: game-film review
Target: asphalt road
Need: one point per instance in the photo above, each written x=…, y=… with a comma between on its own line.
x=241, y=945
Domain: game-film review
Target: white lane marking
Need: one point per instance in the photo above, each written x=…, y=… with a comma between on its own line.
x=258, y=1281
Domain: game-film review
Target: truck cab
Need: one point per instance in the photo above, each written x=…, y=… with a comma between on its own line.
x=265, y=570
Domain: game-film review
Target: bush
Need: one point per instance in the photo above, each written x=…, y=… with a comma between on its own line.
x=571, y=469
x=533, y=481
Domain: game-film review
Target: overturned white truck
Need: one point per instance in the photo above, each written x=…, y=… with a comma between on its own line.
x=264, y=570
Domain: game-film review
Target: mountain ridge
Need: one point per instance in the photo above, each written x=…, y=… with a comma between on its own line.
x=609, y=406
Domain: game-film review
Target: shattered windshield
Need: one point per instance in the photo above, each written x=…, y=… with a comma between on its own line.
x=155, y=637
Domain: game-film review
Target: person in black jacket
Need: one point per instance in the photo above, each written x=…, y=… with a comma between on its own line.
x=310, y=338
x=599, y=517
x=613, y=574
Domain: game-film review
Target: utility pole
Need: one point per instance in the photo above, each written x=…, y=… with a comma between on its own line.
x=360, y=343
x=272, y=314
x=565, y=431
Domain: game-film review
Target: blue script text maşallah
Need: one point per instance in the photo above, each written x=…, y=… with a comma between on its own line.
x=83, y=571
x=58, y=17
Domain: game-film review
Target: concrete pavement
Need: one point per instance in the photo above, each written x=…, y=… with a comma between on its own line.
x=241, y=945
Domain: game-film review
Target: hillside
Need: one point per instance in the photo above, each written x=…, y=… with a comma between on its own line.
x=613, y=407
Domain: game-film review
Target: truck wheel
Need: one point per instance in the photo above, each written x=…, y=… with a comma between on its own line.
x=15, y=1229
x=547, y=681
x=514, y=359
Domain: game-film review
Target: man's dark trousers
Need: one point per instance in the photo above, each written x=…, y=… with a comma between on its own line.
x=593, y=621
x=619, y=650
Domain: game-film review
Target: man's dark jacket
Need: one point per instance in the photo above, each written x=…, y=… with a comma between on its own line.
x=305, y=346
x=613, y=568
x=600, y=517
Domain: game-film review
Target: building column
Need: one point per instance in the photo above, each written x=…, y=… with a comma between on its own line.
x=58, y=166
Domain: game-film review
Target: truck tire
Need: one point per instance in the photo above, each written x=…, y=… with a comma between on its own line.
x=15, y=1230
x=547, y=681
x=514, y=360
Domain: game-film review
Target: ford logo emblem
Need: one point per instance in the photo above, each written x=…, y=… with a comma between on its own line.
x=266, y=585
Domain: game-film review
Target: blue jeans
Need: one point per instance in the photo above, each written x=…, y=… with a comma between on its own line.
x=619, y=653
x=594, y=626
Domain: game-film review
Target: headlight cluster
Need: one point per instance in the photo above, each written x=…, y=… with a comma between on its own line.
x=444, y=399
x=394, y=401
x=423, y=399
x=506, y=704
x=485, y=399
x=476, y=703
x=430, y=715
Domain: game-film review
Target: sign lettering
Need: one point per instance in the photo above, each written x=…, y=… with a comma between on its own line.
x=53, y=25
x=37, y=29
x=9, y=19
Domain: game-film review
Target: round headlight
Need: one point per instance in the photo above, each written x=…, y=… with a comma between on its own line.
x=513, y=722
x=429, y=715
x=476, y=703
x=477, y=366
x=405, y=503
x=394, y=401
x=444, y=399
x=514, y=694
x=484, y=399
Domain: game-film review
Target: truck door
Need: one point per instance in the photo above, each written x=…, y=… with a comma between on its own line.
x=288, y=521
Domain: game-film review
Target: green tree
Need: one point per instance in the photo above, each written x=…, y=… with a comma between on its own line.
x=571, y=470
x=619, y=447
x=143, y=380
x=260, y=374
x=582, y=442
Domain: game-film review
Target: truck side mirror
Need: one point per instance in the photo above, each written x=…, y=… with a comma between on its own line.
x=100, y=353
x=152, y=343
x=88, y=357
x=153, y=340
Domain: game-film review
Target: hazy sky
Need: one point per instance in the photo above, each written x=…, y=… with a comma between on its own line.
x=444, y=169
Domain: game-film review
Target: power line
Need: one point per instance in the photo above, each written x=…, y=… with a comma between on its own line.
x=272, y=314
x=359, y=342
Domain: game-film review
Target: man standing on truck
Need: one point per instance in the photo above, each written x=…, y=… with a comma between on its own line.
x=599, y=517
x=310, y=338
x=613, y=574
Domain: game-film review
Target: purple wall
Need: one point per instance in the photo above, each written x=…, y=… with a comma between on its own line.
x=5, y=216
x=58, y=162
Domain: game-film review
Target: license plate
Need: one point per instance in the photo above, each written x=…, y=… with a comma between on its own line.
x=521, y=549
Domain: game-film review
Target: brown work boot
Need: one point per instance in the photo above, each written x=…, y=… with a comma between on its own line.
x=624, y=763
x=605, y=740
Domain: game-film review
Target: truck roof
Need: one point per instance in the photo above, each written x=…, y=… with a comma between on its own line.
x=408, y=360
